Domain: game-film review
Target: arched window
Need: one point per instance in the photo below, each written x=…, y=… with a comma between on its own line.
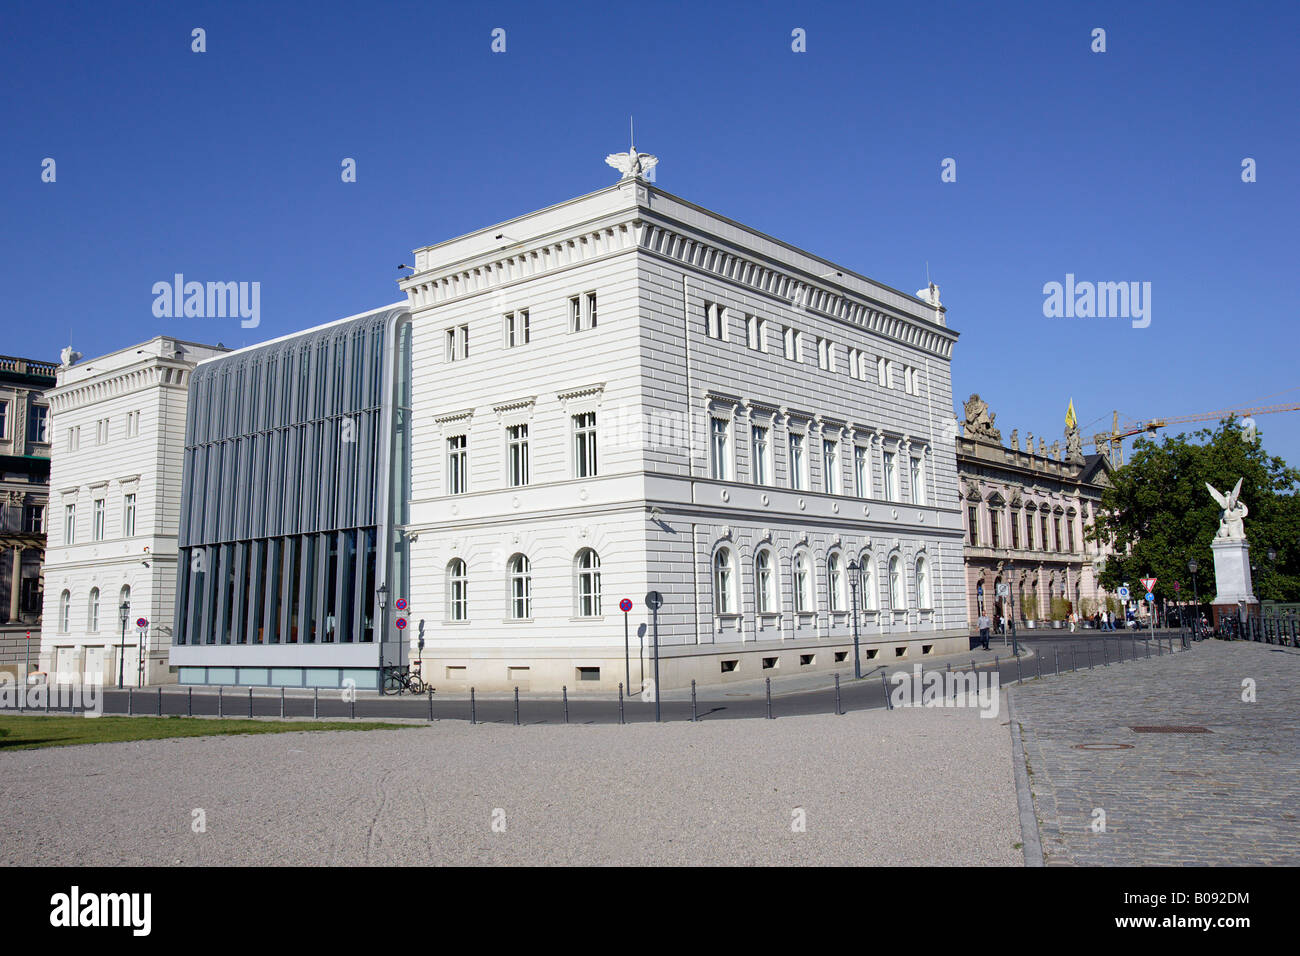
x=457, y=591
x=870, y=599
x=897, y=600
x=92, y=615
x=724, y=582
x=923, y=583
x=588, y=583
x=65, y=611
x=765, y=582
x=835, y=580
x=521, y=588
x=803, y=583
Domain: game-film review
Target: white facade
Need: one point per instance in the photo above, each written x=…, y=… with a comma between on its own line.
x=704, y=330
x=118, y=434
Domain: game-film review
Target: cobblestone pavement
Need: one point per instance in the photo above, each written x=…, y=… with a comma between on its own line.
x=1229, y=797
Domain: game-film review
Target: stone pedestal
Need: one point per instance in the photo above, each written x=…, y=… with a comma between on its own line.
x=1232, y=578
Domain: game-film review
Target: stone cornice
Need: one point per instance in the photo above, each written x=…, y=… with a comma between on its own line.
x=119, y=382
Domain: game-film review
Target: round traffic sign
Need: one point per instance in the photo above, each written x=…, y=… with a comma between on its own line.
x=141, y=622
x=625, y=605
x=401, y=623
x=1123, y=592
x=401, y=604
x=1150, y=596
x=654, y=600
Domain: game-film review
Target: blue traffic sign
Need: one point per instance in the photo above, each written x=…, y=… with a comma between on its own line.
x=625, y=605
x=1150, y=596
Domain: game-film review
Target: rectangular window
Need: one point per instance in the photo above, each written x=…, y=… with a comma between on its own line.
x=861, y=472
x=882, y=368
x=1069, y=528
x=824, y=354
x=132, y=424
x=40, y=430
x=584, y=445
x=128, y=516
x=517, y=454
x=69, y=524
x=1029, y=532
x=35, y=520
x=517, y=329
x=715, y=321
x=995, y=519
x=101, y=431
x=4, y=420
x=1046, y=542
x=457, y=339
x=891, y=476
x=582, y=312
x=457, y=464
x=720, y=434
x=1056, y=527
x=97, y=528
x=831, y=466
x=973, y=525
x=762, y=455
x=790, y=343
x=1015, y=530
x=798, y=463
x=855, y=358
x=754, y=333
x=918, y=482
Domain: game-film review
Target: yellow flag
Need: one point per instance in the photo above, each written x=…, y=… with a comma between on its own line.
x=1070, y=420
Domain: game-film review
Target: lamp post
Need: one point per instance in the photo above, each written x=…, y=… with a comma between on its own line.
x=381, y=595
x=1196, y=599
x=855, y=569
x=124, y=611
x=1011, y=593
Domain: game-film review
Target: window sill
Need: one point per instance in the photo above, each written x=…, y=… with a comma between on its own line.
x=579, y=619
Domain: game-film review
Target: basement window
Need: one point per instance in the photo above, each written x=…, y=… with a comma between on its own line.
x=588, y=673
x=455, y=672
x=927, y=648
x=729, y=667
x=841, y=657
x=769, y=663
x=807, y=659
x=872, y=652
x=900, y=652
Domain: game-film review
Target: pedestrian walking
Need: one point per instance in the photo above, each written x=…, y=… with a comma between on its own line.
x=984, y=624
x=1074, y=621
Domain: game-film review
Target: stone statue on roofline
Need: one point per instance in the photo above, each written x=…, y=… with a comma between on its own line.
x=979, y=421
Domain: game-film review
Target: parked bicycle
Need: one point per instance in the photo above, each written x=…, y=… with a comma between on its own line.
x=400, y=680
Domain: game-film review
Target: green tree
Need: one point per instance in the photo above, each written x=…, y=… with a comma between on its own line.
x=1158, y=514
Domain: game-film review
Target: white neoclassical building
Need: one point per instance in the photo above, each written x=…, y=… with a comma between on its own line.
x=619, y=395
x=117, y=432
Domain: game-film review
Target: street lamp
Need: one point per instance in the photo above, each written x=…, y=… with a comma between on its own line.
x=855, y=569
x=1011, y=591
x=381, y=595
x=1196, y=598
x=125, y=612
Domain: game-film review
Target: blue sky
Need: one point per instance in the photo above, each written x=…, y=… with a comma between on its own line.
x=1115, y=166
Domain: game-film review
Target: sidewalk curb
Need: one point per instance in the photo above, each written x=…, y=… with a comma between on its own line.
x=1033, y=846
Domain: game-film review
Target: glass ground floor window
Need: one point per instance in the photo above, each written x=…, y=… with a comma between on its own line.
x=296, y=589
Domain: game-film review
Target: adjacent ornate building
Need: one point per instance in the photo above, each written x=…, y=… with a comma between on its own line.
x=24, y=495
x=1025, y=511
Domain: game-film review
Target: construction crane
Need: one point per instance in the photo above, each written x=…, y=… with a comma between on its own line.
x=1115, y=438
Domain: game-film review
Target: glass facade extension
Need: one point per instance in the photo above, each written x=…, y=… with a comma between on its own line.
x=296, y=474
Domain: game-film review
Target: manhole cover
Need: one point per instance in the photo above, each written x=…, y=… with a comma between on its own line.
x=1103, y=746
x=1166, y=729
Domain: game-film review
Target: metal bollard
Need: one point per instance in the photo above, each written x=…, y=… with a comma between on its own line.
x=1039, y=658
x=769, y=698
x=315, y=702
x=885, y=684
x=1019, y=677
x=1104, y=661
x=1074, y=663
x=1056, y=653
x=221, y=710
x=130, y=702
x=1089, y=657
x=352, y=707
x=565, y=688
x=250, y=702
x=430, y=705
x=189, y=702
x=620, y=702
x=282, y=703
x=159, y=701
x=516, y=706
x=838, y=711
x=695, y=717
x=1146, y=642
x=473, y=717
